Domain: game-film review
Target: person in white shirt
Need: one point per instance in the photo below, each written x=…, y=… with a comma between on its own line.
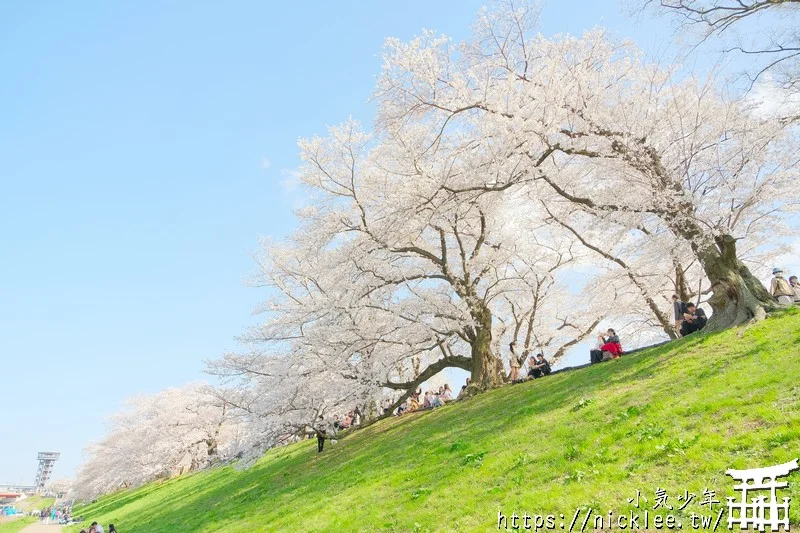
x=447, y=394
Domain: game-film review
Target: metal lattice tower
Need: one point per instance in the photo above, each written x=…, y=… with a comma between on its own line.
x=46, y=462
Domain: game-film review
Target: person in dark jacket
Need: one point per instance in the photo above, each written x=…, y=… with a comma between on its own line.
x=694, y=319
x=323, y=431
x=538, y=366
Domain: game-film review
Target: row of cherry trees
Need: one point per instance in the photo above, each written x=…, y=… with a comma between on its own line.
x=497, y=171
x=175, y=431
x=512, y=188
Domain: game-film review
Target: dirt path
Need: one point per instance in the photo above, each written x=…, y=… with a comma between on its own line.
x=41, y=528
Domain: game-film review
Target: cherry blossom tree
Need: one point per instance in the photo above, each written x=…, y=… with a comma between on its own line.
x=59, y=487
x=174, y=431
x=590, y=125
x=394, y=276
x=763, y=30
x=446, y=231
x=390, y=264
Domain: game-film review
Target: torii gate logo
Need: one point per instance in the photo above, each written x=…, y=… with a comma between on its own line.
x=758, y=513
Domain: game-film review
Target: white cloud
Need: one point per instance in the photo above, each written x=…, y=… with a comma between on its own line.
x=265, y=163
x=772, y=100
x=290, y=181
x=293, y=193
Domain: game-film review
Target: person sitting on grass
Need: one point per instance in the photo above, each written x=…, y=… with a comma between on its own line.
x=795, y=285
x=780, y=288
x=693, y=320
x=608, y=347
x=437, y=402
x=413, y=402
x=611, y=343
x=428, y=403
x=531, y=364
x=447, y=394
x=387, y=406
x=539, y=366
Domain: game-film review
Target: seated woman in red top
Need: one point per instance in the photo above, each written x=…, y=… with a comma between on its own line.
x=611, y=343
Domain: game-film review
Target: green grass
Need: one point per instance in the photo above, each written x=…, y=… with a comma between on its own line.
x=15, y=525
x=675, y=417
x=34, y=502
x=26, y=505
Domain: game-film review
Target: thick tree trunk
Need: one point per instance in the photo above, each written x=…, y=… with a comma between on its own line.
x=738, y=295
x=487, y=369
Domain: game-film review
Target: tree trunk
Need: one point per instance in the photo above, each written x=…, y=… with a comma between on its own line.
x=738, y=295
x=487, y=370
x=681, y=286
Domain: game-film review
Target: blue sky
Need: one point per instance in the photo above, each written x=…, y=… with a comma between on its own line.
x=143, y=147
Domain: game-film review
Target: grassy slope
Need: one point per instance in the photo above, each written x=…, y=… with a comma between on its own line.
x=34, y=502
x=28, y=504
x=16, y=524
x=675, y=417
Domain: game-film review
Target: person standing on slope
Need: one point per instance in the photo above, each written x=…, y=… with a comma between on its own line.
x=513, y=361
x=323, y=431
x=679, y=308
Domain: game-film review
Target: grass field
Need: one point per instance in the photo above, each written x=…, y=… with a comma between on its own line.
x=27, y=505
x=15, y=525
x=673, y=418
x=35, y=502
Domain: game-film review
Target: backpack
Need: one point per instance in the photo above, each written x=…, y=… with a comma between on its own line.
x=782, y=288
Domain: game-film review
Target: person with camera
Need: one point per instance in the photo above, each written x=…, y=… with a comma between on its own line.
x=694, y=319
